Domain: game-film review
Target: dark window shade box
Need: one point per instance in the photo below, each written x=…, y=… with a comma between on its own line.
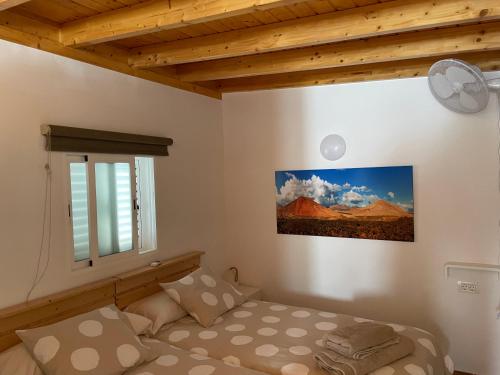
x=69, y=139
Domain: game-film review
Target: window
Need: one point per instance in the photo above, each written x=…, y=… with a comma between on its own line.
x=111, y=207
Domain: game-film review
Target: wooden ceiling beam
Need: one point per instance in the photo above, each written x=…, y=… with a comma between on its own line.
x=32, y=33
x=364, y=22
x=487, y=61
x=6, y=4
x=441, y=42
x=157, y=15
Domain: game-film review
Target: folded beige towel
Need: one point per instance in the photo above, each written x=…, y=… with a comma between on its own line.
x=361, y=354
x=360, y=340
x=336, y=364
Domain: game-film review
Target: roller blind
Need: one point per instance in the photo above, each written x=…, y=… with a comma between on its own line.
x=79, y=208
x=114, y=207
x=69, y=139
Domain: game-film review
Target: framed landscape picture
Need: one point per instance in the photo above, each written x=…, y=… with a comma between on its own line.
x=370, y=203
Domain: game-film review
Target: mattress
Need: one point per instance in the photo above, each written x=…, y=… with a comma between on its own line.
x=173, y=360
x=281, y=340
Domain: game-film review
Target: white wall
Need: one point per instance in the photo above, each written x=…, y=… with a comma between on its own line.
x=456, y=195
x=39, y=88
x=384, y=123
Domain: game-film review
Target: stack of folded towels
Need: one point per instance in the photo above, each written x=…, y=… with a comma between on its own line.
x=362, y=348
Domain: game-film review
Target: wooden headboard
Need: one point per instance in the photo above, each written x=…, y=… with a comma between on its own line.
x=121, y=290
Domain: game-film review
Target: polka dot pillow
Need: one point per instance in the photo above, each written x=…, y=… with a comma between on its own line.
x=98, y=342
x=204, y=296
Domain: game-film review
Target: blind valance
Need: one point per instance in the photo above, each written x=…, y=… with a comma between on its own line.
x=69, y=139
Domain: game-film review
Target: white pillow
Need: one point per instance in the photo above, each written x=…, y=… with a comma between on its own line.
x=18, y=361
x=159, y=308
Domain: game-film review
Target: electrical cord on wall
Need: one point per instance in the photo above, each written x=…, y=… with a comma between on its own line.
x=498, y=99
x=498, y=259
x=46, y=222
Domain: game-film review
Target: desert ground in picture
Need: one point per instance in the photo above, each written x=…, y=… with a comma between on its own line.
x=368, y=203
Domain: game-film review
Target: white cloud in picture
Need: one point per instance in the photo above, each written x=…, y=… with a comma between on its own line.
x=323, y=192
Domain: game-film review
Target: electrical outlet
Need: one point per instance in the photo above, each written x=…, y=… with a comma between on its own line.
x=468, y=287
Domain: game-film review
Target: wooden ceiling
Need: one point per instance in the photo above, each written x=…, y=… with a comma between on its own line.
x=216, y=46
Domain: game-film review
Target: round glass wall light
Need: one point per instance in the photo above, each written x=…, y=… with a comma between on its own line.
x=332, y=147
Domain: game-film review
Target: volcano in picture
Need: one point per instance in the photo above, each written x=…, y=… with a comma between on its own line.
x=370, y=203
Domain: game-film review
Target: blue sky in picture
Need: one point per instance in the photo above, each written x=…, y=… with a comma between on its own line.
x=354, y=187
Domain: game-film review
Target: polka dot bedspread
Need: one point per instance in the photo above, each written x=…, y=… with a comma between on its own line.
x=281, y=340
x=176, y=361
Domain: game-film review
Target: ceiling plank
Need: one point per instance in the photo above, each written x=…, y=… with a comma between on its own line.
x=22, y=30
x=6, y=4
x=157, y=15
x=381, y=19
x=487, y=61
x=413, y=45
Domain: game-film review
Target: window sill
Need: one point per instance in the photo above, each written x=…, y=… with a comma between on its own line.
x=147, y=251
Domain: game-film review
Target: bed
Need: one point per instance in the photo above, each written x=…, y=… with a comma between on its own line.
x=255, y=338
x=280, y=340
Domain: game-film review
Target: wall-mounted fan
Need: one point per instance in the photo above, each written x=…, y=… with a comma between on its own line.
x=460, y=86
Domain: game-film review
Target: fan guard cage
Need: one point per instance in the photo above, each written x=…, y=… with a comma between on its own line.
x=462, y=88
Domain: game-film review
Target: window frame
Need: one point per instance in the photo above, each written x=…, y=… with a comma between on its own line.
x=152, y=216
x=94, y=257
